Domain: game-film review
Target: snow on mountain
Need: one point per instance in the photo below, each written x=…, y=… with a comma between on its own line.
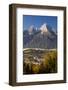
x=31, y=29
x=44, y=29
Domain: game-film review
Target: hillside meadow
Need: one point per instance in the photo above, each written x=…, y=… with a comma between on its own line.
x=39, y=61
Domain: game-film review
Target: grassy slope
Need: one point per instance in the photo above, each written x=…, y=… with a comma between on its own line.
x=45, y=61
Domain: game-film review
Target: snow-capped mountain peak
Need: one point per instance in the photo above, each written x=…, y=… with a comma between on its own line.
x=43, y=28
x=31, y=29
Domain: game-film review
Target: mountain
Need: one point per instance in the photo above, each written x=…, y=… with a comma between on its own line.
x=44, y=37
x=28, y=35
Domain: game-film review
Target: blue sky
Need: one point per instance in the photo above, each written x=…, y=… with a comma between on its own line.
x=37, y=21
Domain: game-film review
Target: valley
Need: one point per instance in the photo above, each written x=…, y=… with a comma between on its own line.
x=37, y=61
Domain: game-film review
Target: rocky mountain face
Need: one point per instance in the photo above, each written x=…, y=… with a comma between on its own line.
x=44, y=37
